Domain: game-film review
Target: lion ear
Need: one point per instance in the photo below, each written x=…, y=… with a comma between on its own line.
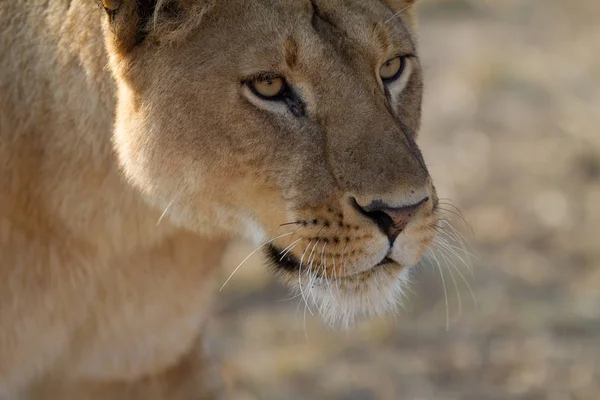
x=130, y=22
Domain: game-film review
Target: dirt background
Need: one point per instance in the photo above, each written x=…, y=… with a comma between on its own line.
x=511, y=135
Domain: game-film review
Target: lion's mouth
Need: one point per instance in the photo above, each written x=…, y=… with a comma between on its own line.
x=282, y=260
x=340, y=297
x=386, y=260
x=287, y=261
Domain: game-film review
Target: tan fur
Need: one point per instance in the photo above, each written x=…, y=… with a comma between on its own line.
x=126, y=164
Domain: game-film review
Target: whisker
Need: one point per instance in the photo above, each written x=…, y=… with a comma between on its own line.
x=311, y=256
x=459, y=238
x=467, y=223
x=343, y=259
x=451, y=233
x=250, y=255
x=447, y=261
x=456, y=248
x=327, y=282
x=305, y=330
x=462, y=277
x=164, y=213
x=311, y=271
x=454, y=251
x=335, y=278
x=468, y=285
x=289, y=248
x=288, y=299
x=447, y=199
x=300, y=277
x=292, y=223
x=445, y=291
x=447, y=203
x=322, y=260
x=457, y=211
x=323, y=265
x=311, y=278
x=321, y=276
x=396, y=14
x=298, y=307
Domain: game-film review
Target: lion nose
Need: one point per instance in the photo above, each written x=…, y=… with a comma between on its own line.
x=391, y=220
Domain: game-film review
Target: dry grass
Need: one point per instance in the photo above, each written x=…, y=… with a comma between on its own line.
x=511, y=134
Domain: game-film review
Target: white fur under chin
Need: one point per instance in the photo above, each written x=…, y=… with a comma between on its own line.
x=344, y=302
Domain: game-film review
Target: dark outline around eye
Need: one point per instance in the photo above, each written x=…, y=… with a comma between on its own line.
x=287, y=95
x=403, y=59
x=263, y=76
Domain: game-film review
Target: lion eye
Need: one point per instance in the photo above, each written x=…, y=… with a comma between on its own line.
x=391, y=69
x=268, y=88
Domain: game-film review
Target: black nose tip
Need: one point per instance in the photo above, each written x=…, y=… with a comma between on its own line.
x=391, y=220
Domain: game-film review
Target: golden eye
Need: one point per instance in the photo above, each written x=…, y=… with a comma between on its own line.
x=391, y=69
x=269, y=87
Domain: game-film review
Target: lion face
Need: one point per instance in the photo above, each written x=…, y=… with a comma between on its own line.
x=289, y=121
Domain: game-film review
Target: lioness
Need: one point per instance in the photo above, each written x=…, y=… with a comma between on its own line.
x=138, y=137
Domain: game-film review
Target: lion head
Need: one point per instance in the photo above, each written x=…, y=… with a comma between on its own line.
x=290, y=121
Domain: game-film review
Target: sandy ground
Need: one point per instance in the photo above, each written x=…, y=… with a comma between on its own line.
x=511, y=136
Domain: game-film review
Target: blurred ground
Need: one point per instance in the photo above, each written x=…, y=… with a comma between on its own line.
x=511, y=135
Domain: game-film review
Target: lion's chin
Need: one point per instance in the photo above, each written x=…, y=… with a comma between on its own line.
x=342, y=301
